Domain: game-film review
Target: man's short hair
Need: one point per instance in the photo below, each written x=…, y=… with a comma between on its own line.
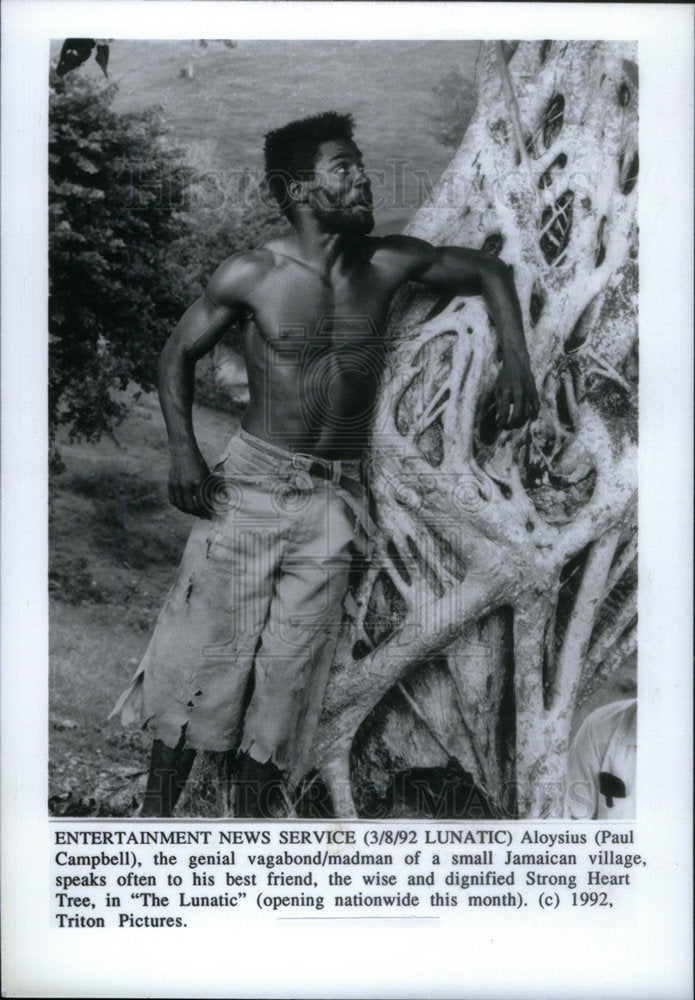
x=291, y=151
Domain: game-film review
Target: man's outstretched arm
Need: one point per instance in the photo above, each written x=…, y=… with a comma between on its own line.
x=472, y=272
x=198, y=330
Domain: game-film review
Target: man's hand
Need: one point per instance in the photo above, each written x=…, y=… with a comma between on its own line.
x=515, y=391
x=190, y=483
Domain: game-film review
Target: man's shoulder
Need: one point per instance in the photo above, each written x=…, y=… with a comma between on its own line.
x=248, y=261
x=398, y=244
x=239, y=273
x=276, y=253
x=402, y=252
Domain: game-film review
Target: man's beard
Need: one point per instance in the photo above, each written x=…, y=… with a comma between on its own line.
x=336, y=218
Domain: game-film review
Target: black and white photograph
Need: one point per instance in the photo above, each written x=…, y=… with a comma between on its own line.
x=346, y=477
x=413, y=567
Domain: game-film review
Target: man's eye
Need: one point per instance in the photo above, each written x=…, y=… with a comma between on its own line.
x=341, y=170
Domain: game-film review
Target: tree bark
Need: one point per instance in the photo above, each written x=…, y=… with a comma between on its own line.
x=502, y=584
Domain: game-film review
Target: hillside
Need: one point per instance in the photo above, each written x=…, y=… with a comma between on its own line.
x=114, y=539
x=115, y=542
x=237, y=95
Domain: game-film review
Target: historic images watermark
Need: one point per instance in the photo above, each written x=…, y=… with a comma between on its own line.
x=398, y=185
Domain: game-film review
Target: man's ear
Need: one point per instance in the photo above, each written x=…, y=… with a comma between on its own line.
x=297, y=191
x=300, y=189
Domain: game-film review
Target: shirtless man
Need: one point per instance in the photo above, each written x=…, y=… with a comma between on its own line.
x=313, y=306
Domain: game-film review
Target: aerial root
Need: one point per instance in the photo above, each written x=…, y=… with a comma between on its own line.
x=606, y=370
x=336, y=773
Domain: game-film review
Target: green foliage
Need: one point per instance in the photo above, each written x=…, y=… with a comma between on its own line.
x=454, y=99
x=134, y=235
x=117, y=201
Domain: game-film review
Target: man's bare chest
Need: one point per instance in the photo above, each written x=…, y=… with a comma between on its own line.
x=299, y=306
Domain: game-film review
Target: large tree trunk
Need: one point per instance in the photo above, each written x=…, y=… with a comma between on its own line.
x=503, y=586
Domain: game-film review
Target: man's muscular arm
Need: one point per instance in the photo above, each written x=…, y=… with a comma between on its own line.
x=198, y=330
x=464, y=271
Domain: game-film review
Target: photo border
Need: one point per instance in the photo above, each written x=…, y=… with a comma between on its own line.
x=650, y=956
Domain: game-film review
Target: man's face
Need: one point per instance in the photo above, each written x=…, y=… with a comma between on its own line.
x=340, y=195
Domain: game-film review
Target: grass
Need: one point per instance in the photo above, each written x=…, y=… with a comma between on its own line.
x=115, y=541
x=115, y=546
x=237, y=95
